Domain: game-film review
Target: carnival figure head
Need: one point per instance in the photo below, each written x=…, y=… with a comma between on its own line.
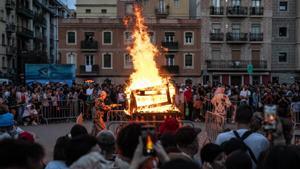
x=103, y=94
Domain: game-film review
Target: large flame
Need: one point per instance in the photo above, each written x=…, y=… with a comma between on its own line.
x=146, y=74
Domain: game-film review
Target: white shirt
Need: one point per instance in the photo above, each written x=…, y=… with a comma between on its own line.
x=56, y=165
x=246, y=94
x=89, y=91
x=256, y=142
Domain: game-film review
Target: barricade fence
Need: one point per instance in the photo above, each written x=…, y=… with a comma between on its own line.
x=62, y=110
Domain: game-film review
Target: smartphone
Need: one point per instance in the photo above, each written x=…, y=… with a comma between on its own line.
x=148, y=137
x=270, y=114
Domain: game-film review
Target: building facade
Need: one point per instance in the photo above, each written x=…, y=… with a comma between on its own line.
x=285, y=56
x=8, y=38
x=97, y=46
x=236, y=36
x=37, y=31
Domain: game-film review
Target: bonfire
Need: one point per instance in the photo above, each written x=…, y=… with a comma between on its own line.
x=147, y=90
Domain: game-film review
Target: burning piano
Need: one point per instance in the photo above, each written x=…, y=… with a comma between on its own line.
x=148, y=92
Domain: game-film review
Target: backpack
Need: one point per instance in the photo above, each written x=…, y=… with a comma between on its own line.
x=241, y=139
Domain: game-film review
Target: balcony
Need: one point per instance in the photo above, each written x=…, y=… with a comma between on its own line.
x=236, y=37
x=256, y=36
x=170, y=69
x=26, y=12
x=10, y=28
x=216, y=10
x=256, y=11
x=237, y=11
x=89, y=46
x=162, y=12
x=24, y=32
x=170, y=45
x=235, y=64
x=10, y=4
x=216, y=36
x=89, y=69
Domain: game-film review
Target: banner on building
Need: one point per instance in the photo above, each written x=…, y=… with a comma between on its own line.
x=45, y=73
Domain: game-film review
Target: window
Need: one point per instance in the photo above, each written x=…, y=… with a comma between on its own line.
x=71, y=58
x=176, y=3
x=283, y=6
x=107, y=61
x=282, y=57
x=129, y=9
x=89, y=59
x=104, y=11
x=236, y=2
x=127, y=61
x=236, y=28
x=282, y=31
x=188, y=38
x=88, y=10
x=71, y=37
x=128, y=37
x=170, y=61
x=255, y=28
x=188, y=61
x=216, y=3
x=256, y=3
x=89, y=36
x=107, y=37
x=169, y=36
x=152, y=37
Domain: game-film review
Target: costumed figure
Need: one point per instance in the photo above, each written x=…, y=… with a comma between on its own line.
x=101, y=109
x=220, y=102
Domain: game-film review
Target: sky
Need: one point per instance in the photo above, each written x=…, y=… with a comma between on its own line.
x=70, y=3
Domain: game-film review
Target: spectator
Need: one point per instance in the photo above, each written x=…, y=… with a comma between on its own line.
x=238, y=160
x=187, y=143
x=21, y=154
x=78, y=130
x=255, y=142
x=180, y=164
x=59, y=154
x=212, y=156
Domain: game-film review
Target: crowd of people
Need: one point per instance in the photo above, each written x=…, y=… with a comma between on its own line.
x=175, y=147
x=27, y=102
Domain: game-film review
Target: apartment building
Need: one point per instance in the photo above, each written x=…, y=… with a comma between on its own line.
x=7, y=31
x=97, y=46
x=236, y=36
x=37, y=31
x=285, y=38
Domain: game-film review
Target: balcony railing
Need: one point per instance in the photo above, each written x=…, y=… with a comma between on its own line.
x=170, y=69
x=89, y=69
x=256, y=10
x=23, y=11
x=22, y=31
x=89, y=45
x=236, y=64
x=239, y=11
x=256, y=36
x=216, y=36
x=216, y=10
x=170, y=45
x=236, y=37
x=10, y=4
x=10, y=28
x=162, y=12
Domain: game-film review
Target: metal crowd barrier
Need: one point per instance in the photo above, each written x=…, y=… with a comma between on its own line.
x=214, y=124
x=116, y=126
x=65, y=110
